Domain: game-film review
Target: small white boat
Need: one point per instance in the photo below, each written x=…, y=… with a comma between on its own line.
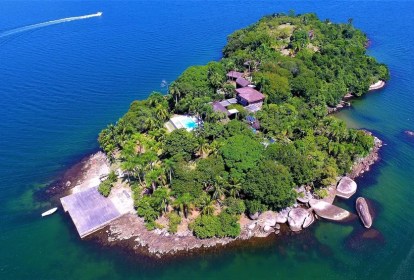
x=99, y=14
x=49, y=212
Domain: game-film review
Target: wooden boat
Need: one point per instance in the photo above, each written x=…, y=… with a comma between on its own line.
x=363, y=212
x=49, y=212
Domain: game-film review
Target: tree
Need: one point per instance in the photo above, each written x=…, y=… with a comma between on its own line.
x=184, y=203
x=271, y=184
x=240, y=154
x=180, y=142
x=206, y=204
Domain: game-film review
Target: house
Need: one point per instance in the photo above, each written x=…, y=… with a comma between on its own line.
x=234, y=75
x=242, y=82
x=249, y=96
x=221, y=106
x=218, y=107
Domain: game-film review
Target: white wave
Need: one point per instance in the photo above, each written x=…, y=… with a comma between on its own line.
x=47, y=23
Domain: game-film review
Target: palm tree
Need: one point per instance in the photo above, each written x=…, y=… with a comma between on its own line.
x=218, y=188
x=175, y=91
x=235, y=188
x=203, y=147
x=150, y=123
x=161, y=112
x=183, y=203
x=207, y=205
x=169, y=168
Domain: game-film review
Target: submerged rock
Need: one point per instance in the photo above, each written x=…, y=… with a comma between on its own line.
x=346, y=187
x=296, y=218
x=328, y=211
x=363, y=212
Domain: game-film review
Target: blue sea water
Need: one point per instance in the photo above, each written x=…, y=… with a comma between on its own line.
x=61, y=84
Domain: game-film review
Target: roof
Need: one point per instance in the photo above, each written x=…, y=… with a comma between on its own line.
x=242, y=82
x=217, y=107
x=250, y=94
x=89, y=210
x=234, y=74
x=252, y=108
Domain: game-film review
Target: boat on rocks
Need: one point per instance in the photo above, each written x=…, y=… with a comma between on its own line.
x=346, y=187
x=49, y=212
x=328, y=211
x=363, y=212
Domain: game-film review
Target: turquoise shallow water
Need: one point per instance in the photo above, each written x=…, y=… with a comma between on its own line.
x=61, y=84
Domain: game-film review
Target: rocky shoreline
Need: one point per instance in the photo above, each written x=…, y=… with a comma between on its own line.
x=129, y=230
x=345, y=102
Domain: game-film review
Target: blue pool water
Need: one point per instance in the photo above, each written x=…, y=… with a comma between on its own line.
x=189, y=123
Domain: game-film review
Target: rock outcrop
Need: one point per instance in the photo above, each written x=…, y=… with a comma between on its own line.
x=328, y=211
x=363, y=212
x=346, y=187
x=297, y=217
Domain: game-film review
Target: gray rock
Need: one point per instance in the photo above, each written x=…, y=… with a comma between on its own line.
x=363, y=212
x=308, y=221
x=252, y=226
x=346, y=187
x=296, y=218
x=254, y=216
x=267, y=228
x=328, y=211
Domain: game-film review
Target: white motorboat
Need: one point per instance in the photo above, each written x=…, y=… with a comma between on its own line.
x=49, y=212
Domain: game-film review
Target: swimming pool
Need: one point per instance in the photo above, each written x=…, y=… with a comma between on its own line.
x=189, y=123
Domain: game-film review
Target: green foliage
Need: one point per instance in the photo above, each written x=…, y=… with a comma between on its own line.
x=180, y=142
x=240, y=154
x=173, y=221
x=223, y=165
x=235, y=206
x=223, y=225
x=106, y=185
x=254, y=206
x=271, y=184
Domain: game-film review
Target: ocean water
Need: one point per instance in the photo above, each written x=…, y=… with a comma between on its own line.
x=61, y=83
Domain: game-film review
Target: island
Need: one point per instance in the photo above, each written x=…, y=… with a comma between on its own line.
x=238, y=147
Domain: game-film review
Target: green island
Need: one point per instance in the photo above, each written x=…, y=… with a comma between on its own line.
x=239, y=137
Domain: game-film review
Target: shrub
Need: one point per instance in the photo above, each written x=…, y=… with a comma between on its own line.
x=174, y=221
x=224, y=224
x=106, y=185
x=235, y=206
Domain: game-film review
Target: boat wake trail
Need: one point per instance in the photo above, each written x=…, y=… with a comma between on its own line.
x=44, y=24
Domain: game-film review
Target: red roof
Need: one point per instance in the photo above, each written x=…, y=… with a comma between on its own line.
x=250, y=94
x=242, y=82
x=234, y=74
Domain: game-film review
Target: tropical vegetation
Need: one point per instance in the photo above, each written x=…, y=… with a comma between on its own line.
x=224, y=168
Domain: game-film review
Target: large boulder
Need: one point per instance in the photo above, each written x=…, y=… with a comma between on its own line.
x=268, y=218
x=328, y=211
x=346, y=187
x=309, y=220
x=363, y=212
x=296, y=218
